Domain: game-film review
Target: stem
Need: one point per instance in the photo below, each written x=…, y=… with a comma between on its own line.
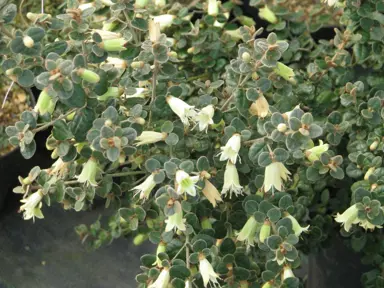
x=53, y=121
x=187, y=251
x=6, y=94
x=197, y=77
x=153, y=96
x=6, y=32
x=227, y=102
x=21, y=13
x=128, y=173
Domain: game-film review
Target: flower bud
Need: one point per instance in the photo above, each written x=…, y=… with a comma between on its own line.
x=267, y=285
x=265, y=231
x=112, y=92
x=88, y=75
x=71, y=116
x=139, y=239
x=287, y=273
x=190, y=50
x=113, y=45
x=28, y=41
x=234, y=34
x=369, y=173
x=284, y=71
x=107, y=35
x=137, y=64
x=248, y=231
x=282, y=127
x=150, y=137
x=164, y=20
x=246, y=57
x=374, y=145
x=89, y=172
x=85, y=6
x=314, y=153
x=172, y=54
x=141, y=3
x=206, y=223
x=109, y=26
x=213, y=8
x=161, y=248
x=44, y=104
x=267, y=14
x=260, y=107
x=160, y=3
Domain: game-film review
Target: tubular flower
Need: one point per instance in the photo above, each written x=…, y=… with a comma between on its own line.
x=185, y=111
x=117, y=62
x=164, y=20
x=32, y=206
x=267, y=14
x=231, y=181
x=315, y=152
x=175, y=221
x=146, y=187
x=186, y=183
x=89, y=172
x=284, y=71
x=162, y=280
x=149, y=137
x=154, y=31
x=248, y=231
x=211, y=193
x=107, y=35
x=207, y=272
x=297, y=229
x=348, y=218
x=275, y=173
x=231, y=149
x=260, y=107
x=44, y=104
x=204, y=117
x=287, y=273
x=213, y=8
x=138, y=94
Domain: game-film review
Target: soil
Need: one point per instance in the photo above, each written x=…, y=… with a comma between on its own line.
x=15, y=104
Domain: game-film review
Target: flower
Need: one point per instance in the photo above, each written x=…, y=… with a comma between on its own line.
x=368, y=225
x=186, y=183
x=146, y=187
x=161, y=248
x=138, y=94
x=267, y=14
x=107, y=35
x=32, y=206
x=211, y=193
x=149, y=137
x=58, y=168
x=160, y=3
x=117, y=62
x=45, y=104
x=113, y=45
x=330, y=2
x=231, y=181
x=265, y=231
x=274, y=174
x=28, y=41
x=284, y=71
x=204, y=117
x=176, y=219
x=164, y=20
x=112, y=92
x=207, y=272
x=89, y=172
x=315, y=152
x=348, y=218
x=260, y=107
x=287, y=273
x=162, y=280
x=213, y=8
x=154, y=31
x=88, y=75
x=185, y=111
x=231, y=149
x=248, y=231
x=297, y=229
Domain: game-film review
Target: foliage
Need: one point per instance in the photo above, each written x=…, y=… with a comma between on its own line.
x=229, y=150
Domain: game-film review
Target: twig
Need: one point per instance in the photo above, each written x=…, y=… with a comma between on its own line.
x=153, y=96
x=53, y=121
x=21, y=13
x=42, y=6
x=6, y=94
x=128, y=173
x=6, y=32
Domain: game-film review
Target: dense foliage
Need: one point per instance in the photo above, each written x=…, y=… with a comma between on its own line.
x=230, y=148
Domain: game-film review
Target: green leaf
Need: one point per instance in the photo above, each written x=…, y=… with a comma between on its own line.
x=81, y=123
x=25, y=79
x=199, y=245
x=28, y=150
x=178, y=271
x=36, y=33
x=227, y=246
x=273, y=242
x=61, y=130
x=7, y=13
x=203, y=164
x=140, y=24
x=152, y=165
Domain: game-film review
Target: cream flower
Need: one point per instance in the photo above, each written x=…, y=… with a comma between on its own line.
x=348, y=218
x=231, y=181
x=164, y=20
x=89, y=172
x=154, y=31
x=368, y=225
x=149, y=137
x=297, y=229
x=204, y=117
x=32, y=206
x=248, y=231
x=140, y=93
x=287, y=273
x=207, y=272
x=162, y=280
x=117, y=62
x=107, y=35
x=186, y=183
x=330, y=2
x=185, y=111
x=231, y=149
x=176, y=221
x=146, y=187
x=213, y=8
x=58, y=168
x=211, y=193
x=275, y=173
x=260, y=107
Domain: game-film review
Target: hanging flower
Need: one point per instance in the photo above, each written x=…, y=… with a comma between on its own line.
x=267, y=14
x=164, y=20
x=154, y=31
x=162, y=280
x=231, y=149
x=186, y=183
x=330, y=2
x=107, y=35
x=138, y=94
x=185, y=111
x=287, y=273
x=297, y=229
x=231, y=181
x=149, y=137
x=274, y=174
x=32, y=206
x=44, y=104
x=260, y=107
x=368, y=225
x=117, y=62
x=204, y=117
x=248, y=231
x=315, y=152
x=284, y=71
x=161, y=248
x=176, y=221
x=265, y=231
x=213, y=8
x=211, y=193
x=89, y=172
x=207, y=272
x=348, y=218
x=58, y=168
x=146, y=187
